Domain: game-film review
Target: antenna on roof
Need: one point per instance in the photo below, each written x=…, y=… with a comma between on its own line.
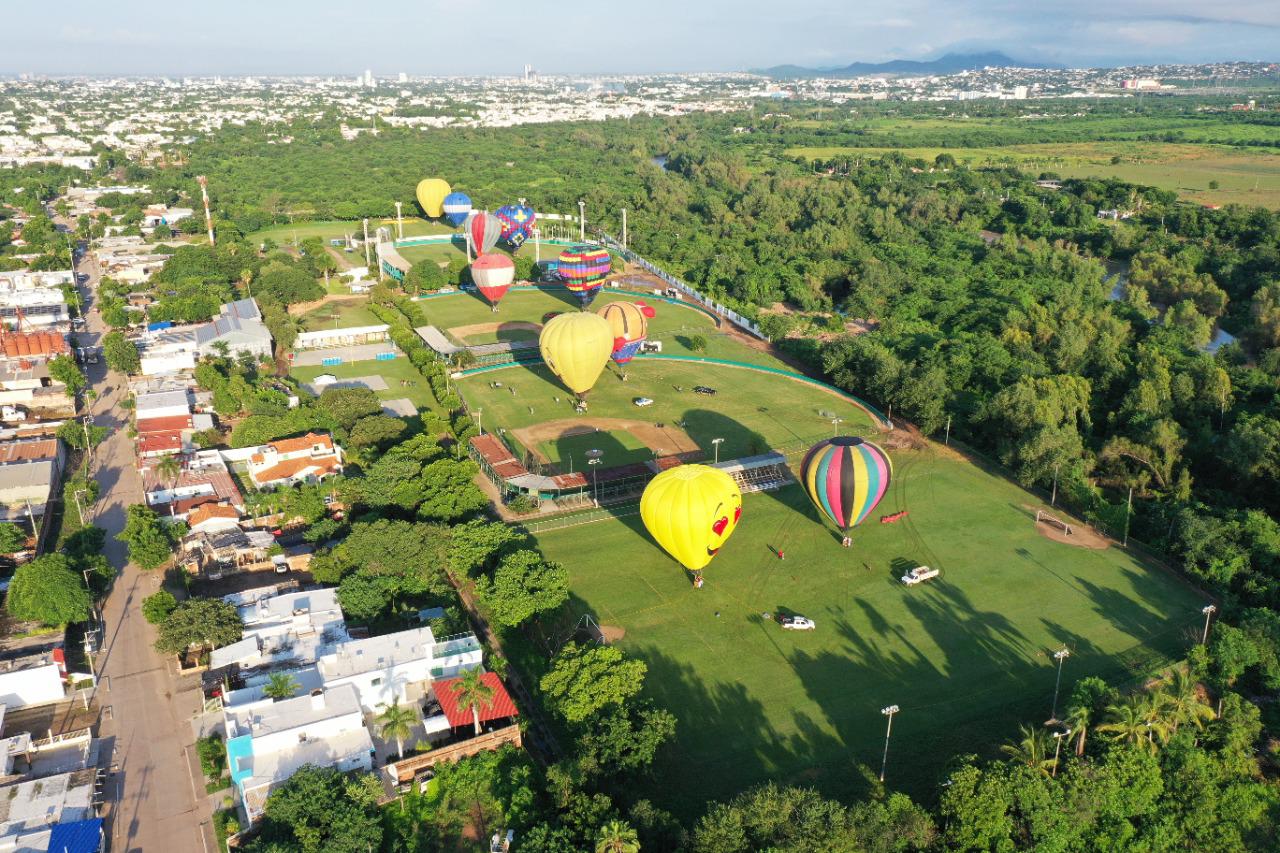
x=204, y=194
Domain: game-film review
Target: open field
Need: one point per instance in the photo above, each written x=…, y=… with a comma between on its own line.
x=332, y=229
x=572, y=438
x=753, y=412
x=675, y=324
x=1244, y=177
x=394, y=372
x=444, y=252
x=967, y=657
x=340, y=315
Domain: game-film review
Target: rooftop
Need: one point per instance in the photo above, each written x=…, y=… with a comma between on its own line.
x=269, y=718
x=26, y=451
x=19, y=345
x=168, y=423
x=162, y=400
x=357, y=656
x=499, y=706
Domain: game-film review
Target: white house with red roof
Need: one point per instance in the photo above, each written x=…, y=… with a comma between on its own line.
x=289, y=461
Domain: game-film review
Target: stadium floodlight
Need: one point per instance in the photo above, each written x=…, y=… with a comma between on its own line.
x=1058, y=736
x=717, y=442
x=888, y=712
x=1060, y=656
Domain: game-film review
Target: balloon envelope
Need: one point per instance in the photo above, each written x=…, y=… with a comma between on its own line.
x=431, y=193
x=576, y=346
x=629, y=322
x=456, y=207
x=691, y=510
x=583, y=269
x=483, y=228
x=846, y=477
x=493, y=274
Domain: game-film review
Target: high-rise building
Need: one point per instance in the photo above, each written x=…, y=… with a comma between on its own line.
x=368, y=78
x=403, y=78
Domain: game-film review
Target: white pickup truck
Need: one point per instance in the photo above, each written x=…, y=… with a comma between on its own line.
x=919, y=574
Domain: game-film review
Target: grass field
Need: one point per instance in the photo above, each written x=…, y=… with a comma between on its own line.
x=967, y=657
x=1244, y=177
x=753, y=412
x=443, y=252
x=340, y=315
x=332, y=229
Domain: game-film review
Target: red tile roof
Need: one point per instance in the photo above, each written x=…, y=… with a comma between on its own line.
x=291, y=467
x=207, y=512
x=160, y=442
x=24, y=451
x=499, y=706
x=166, y=424
x=18, y=344
x=305, y=442
x=497, y=457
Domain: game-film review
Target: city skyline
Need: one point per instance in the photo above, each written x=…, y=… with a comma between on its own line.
x=441, y=38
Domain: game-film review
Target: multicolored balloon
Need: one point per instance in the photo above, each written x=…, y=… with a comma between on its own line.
x=846, y=477
x=431, y=193
x=576, y=346
x=630, y=324
x=493, y=274
x=456, y=207
x=484, y=229
x=583, y=269
x=517, y=223
x=691, y=510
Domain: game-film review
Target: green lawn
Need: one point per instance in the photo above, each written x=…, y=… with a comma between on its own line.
x=332, y=229
x=340, y=315
x=752, y=412
x=966, y=658
x=442, y=252
x=393, y=371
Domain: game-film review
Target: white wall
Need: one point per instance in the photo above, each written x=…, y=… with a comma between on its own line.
x=318, y=730
x=170, y=362
x=34, y=686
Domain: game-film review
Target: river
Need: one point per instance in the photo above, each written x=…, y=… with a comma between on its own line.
x=1118, y=274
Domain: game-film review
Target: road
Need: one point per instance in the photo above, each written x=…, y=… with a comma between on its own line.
x=152, y=801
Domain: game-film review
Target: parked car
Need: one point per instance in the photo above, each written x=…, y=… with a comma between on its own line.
x=797, y=623
x=703, y=389
x=642, y=402
x=919, y=574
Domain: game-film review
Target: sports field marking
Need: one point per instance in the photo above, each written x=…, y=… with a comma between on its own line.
x=669, y=439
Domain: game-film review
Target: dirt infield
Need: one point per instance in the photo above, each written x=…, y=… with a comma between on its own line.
x=611, y=633
x=670, y=439
x=463, y=332
x=1082, y=535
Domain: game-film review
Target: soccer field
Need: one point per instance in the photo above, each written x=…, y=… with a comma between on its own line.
x=967, y=657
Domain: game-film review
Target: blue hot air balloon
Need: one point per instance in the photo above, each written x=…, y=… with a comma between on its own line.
x=456, y=208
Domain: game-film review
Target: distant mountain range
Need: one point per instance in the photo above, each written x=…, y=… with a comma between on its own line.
x=951, y=63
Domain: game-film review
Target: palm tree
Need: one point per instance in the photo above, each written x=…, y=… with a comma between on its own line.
x=397, y=723
x=472, y=692
x=1137, y=721
x=1183, y=700
x=617, y=836
x=168, y=470
x=281, y=685
x=1032, y=750
x=1079, y=719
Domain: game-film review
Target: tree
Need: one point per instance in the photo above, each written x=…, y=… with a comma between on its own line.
x=697, y=343
x=1031, y=751
x=397, y=723
x=281, y=685
x=474, y=545
x=348, y=405
x=472, y=693
x=1182, y=700
x=524, y=586
x=451, y=493
x=425, y=277
x=49, y=590
x=586, y=679
x=150, y=543
x=64, y=369
x=168, y=469
x=206, y=622
x=320, y=810
x=1136, y=722
x=376, y=431
x=121, y=354
x=12, y=538
x=617, y=836
x=72, y=432
x=364, y=597
x=157, y=606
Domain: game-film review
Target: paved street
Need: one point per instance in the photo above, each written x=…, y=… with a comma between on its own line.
x=153, y=804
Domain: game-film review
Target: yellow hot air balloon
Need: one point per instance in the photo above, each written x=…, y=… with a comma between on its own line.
x=431, y=193
x=576, y=346
x=691, y=510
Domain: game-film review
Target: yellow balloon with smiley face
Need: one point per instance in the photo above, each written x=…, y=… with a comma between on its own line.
x=691, y=510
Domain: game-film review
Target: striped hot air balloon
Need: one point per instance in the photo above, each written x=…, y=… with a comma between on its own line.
x=846, y=477
x=456, y=207
x=583, y=269
x=630, y=323
x=483, y=229
x=493, y=274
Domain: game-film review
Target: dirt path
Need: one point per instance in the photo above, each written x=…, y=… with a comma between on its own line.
x=669, y=439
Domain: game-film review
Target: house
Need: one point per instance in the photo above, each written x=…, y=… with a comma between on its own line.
x=268, y=741
x=286, y=630
x=308, y=459
x=160, y=214
x=29, y=472
x=238, y=325
x=37, y=812
x=163, y=436
x=498, y=712
x=33, y=679
x=192, y=487
x=26, y=309
x=397, y=667
x=162, y=404
x=224, y=551
x=212, y=518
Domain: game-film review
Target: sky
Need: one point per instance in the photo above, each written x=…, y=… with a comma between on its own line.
x=457, y=37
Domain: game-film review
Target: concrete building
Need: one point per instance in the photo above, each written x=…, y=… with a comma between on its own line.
x=239, y=325
x=351, y=336
x=289, y=630
x=268, y=741
x=308, y=459
x=29, y=472
x=397, y=667
x=34, y=679
x=32, y=811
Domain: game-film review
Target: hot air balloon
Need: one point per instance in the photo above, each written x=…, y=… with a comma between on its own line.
x=525, y=218
x=431, y=193
x=576, y=346
x=691, y=510
x=846, y=477
x=583, y=269
x=630, y=324
x=456, y=207
x=493, y=274
x=483, y=228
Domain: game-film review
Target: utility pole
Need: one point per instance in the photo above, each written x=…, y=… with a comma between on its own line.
x=537, y=245
x=1060, y=656
x=479, y=426
x=716, y=442
x=593, y=459
x=367, y=261
x=1208, y=612
x=87, y=421
x=888, y=712
x=947, y=441
x=1053, y=498
x=399, y=222
x=204, y=195
x=582, y=221
x=1057, y=747
x=624, y=229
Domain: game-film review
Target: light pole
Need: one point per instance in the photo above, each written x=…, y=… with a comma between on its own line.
x=537, y=245
x=479, y=425
x=87, y=421
x=1057, y=747
x=1053, y=498
x=835, y=426
x=593, y=459
x=399, y=222
x=888, y=712
x=1208, y=610
x=1060, y=656
x=582, y=221
x=716, y=442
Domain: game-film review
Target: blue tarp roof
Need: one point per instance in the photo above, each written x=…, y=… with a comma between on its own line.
x=78, y=836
